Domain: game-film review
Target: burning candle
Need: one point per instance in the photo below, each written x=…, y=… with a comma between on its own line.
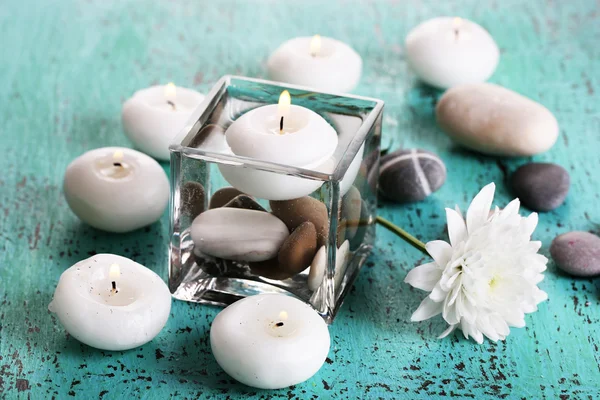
x=319, y=62
x=152, y=117
x=281, y=133
x=269, y=341
x=111, y=302
x=447, y=51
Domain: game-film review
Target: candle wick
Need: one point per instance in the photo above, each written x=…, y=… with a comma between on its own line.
x=114, y=287
x=117, y=164
x=455, y=33
x=281, y=125
x=169, y=102
x=279, y=324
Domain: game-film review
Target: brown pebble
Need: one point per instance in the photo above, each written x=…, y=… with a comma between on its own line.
x=299, y=249
x=295, y=212
x=192, y=199
x=269, y=269
x=223, y=196
x=295, y=255
x=245, y=202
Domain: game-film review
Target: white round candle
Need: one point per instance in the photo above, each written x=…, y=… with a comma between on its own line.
x=447, y=51
x=269, y=341
x=107, y=317
x=116, y=189
x=318, y=62
x=152, y=117
x=306, y=141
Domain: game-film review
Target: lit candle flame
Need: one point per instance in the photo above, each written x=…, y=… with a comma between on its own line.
x=171, y=94
x=114, y=272
x=456, y=24
x=283, y=316
x=285, y=101
x=283, y=108
x=118, y=156
x=315, y=45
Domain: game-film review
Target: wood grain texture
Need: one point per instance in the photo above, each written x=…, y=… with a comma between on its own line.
x=66, y=68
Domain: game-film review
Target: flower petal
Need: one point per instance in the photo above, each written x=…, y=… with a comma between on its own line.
x=479, y=210
x=530, y=223
x=448, y=331
x=438, y=294
x=440, y=251
x=426, y=310
x=424, y=276
x=457, y=230
x=511, y=208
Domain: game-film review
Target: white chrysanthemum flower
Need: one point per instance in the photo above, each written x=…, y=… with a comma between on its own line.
x=485, y=280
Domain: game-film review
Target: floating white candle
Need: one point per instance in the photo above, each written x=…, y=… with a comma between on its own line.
x=319, y=62
x=448, y=51
x=152, y=117
x=111, y=302
x=280, y=133
x=269, y=341
x=116, y=189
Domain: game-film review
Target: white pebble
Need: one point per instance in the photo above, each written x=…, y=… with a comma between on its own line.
x=238, y=234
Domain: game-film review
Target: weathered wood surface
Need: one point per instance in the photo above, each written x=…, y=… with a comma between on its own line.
x=66, y=68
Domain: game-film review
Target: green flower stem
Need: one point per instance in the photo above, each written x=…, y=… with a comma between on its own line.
x=413, y=241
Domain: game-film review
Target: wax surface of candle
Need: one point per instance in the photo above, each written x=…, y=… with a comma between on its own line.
x=269, y=341
x=449, y=51
x=302, y=139
x=152, y=117
x=319, y=62
x=116, y=189
x=111, y=319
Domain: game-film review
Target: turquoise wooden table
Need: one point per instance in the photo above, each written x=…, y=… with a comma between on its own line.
x=66, y=68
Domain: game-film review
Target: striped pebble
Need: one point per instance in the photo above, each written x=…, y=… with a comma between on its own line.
x=410, y=175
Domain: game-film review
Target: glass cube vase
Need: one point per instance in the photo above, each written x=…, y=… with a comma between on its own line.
x=339, y=198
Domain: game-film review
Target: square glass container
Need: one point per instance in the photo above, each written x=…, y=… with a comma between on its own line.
x=341, y=202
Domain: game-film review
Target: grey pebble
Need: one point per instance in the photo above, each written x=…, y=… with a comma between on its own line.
x=577, y=253
x=410, y=175
x=541, y=186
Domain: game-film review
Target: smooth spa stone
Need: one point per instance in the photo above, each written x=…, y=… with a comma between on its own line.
x=223, y=196
x=410, y=175
x=317, y=269
x=577, y=253
x=269, y=341
x=244, y=201
x=449, y=51
x=295, y=212
x=116, y=189
x=319, y=264
x=299, y=248
x=238, y=234
x=494, y=120
x=295, y=255
x=192, y=199
x=541, y=186
x=351, y=211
